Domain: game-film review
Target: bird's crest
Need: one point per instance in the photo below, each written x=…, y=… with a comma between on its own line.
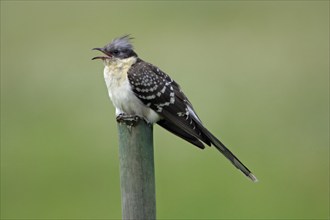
x=123, y=42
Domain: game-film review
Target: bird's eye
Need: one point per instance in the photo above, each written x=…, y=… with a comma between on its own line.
x=115, y=52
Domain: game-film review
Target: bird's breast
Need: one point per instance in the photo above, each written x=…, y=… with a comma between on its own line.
x=115, y=75
x=122, y=95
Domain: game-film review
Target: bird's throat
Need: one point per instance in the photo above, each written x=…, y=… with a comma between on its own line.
x=116, y=69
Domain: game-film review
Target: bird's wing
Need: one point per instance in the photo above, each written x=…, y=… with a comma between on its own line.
x=180, y=132
x=162, y=94
x=159, y=92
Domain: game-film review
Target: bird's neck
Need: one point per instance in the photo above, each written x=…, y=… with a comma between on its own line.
x=115, y=70
x=116, y=65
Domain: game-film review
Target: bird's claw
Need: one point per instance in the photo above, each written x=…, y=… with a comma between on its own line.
x=129, y=120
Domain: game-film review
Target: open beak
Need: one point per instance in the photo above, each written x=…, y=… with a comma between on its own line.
x=108, y=56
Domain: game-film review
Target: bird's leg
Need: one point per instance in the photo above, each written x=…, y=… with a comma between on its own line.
x=129, y=120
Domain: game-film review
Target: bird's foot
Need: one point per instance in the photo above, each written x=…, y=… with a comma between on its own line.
x=129, y=120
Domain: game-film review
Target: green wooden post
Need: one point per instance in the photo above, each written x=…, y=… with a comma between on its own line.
x=137, y=172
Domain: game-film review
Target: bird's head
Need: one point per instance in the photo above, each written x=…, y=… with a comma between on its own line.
x=119, y=48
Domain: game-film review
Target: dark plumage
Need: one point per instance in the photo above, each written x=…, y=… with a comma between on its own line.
x=179, y=117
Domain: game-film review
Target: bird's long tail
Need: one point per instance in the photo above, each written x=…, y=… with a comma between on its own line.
x=229, y=155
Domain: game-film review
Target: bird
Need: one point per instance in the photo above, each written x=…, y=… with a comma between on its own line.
x=138, y=88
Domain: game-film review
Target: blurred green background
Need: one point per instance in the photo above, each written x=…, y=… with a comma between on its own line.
x=256, y=72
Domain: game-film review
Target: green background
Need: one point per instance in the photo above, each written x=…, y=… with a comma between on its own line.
x=256, y=72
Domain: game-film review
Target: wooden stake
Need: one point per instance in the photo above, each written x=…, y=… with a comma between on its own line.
x=137, y=172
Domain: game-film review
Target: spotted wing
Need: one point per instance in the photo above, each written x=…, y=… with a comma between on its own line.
x=159, y=92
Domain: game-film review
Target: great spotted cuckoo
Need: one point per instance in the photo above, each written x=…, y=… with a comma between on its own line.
x=138, y=88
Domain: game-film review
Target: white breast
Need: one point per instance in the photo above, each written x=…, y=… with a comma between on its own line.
x=122, y=96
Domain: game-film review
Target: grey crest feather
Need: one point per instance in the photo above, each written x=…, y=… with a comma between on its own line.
x=123, y=43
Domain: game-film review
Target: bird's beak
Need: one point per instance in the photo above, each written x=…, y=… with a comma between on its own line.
x=108, y=56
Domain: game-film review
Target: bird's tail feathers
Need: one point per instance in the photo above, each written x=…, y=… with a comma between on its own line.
x=229, y=155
